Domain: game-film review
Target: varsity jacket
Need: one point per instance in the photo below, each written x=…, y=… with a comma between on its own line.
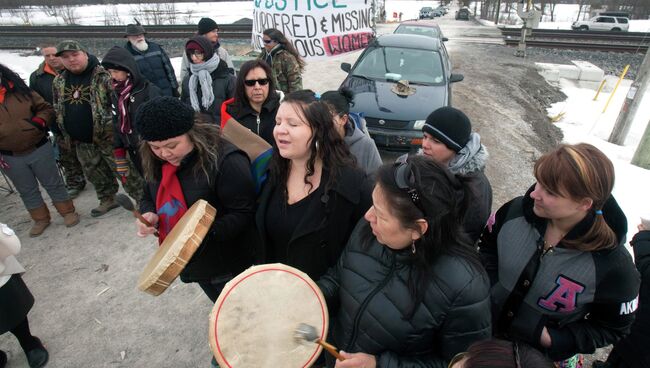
x=586, y=300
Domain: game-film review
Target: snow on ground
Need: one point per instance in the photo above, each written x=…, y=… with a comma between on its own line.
x=186, y=13
x=584, y=121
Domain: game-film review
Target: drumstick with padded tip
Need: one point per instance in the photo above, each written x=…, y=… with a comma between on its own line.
x=305, y=332
x=127, y=204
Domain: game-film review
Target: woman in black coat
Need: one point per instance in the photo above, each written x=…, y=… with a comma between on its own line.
x=209, y=83
x=256, y=101
x=186, y=160
x=315, y=194
x=410, y=290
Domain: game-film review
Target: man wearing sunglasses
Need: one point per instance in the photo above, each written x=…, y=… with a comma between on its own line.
x=209, y=29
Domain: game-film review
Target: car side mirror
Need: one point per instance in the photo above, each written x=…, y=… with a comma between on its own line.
x=445, y=39
x=456, y=78
x=346, y=67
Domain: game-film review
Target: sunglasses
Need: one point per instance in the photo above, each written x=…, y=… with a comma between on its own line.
x=405, y=180
x=196, y=53
x=267, y=41
x=251, y=82
x=457, y=358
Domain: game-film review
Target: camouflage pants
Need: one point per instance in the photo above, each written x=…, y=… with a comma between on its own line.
x=99, y=166
x=73, y=173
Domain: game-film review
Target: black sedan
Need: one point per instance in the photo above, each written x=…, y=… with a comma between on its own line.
x=398, y=81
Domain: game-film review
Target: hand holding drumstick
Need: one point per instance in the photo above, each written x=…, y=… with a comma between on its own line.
x=146, y=222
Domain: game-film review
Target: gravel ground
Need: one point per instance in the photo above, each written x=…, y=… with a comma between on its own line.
x=610, y=62
x=89, y=313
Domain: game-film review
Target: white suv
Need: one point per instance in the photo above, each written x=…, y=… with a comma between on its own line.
x=603, y=23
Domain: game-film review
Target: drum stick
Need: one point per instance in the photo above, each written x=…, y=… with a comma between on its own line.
x=308, y=333
x=127, y=204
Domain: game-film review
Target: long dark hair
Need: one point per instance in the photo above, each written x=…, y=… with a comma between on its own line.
x=339, y=101
x=204, y=135
x=577, y=172
x=241, y=100
x=419, y=189
x=326, y=143
x=279, y=37
x=496, y=353
x=19, y=88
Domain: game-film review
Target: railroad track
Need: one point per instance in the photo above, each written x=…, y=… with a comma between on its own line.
x=581, y=40
x=227, y=31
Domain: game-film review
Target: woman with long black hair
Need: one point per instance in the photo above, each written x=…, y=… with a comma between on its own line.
x=286, y=63
x=410, y=290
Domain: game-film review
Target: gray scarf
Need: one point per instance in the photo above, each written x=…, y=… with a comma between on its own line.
x=471, y=158
x=201, y=75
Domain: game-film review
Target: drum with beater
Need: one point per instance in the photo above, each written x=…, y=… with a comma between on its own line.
x=253, y=323
x=177, y=249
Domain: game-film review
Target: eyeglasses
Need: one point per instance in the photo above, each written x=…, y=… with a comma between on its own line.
x=405, y=180
x=196, y=53
x=267, y=41
x=251, y=82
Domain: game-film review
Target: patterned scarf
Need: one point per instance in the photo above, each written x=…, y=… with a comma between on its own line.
x=123, y=90
x=170, y=201
x=201, y=76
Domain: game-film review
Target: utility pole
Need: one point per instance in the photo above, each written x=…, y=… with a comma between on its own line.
x=642, y=155
x=632, y=103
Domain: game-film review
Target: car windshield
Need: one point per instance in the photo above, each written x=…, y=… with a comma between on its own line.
x=418, y=30
x=416, y=66
x=426, y=9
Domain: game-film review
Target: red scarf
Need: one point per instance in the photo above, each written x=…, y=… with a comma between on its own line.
x=123, y=90
x=170, y=201
x=3, y=91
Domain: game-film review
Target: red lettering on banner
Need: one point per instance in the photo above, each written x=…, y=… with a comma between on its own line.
x=335, y=45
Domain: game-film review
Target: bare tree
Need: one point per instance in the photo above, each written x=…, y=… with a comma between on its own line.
x=188, y=16
x=22, y=12
x=170, y=10
x=51, y=11
x=69, y=14
x=111, y=16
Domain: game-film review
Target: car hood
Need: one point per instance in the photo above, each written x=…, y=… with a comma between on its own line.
x=375, y=99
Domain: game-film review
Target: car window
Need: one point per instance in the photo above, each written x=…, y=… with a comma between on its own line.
x=605, y=20
x=416, y=66
x=416, y=30
x=622, y=20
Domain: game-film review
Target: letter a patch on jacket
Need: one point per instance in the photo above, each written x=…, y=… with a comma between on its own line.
x=564, y=296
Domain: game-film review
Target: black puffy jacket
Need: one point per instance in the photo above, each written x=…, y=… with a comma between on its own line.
x=370, y=285
x=154, y=64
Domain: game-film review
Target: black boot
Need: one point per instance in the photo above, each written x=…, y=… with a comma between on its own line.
x=3, y=359
x=38, y=356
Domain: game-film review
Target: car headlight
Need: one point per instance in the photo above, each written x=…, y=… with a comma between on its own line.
x=419, y=124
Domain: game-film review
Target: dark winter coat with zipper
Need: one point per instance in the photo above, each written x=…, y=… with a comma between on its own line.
x=18, y=133
x=325, y=228
x=586, y=300
x=261, y=124
x=155, y=66
x=142, y=91
x=632, y=351
x=369, y=286
x=227, y=248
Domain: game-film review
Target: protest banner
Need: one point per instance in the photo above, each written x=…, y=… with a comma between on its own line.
x=317, y=28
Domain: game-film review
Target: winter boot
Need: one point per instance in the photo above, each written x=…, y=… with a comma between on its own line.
x=41, y=217
x=105, y=205
x=38, y=356
x=67, y=211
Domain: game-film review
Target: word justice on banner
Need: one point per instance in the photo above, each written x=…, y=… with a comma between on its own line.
x=316, y=28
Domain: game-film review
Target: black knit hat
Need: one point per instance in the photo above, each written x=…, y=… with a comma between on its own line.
x=206, y=25
x=163, y=118
x=450, y=126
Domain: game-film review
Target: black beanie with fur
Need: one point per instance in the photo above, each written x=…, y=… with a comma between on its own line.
x=450, y=126
x=163, y=118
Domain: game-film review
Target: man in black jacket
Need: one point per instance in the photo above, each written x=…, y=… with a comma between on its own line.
x=152, y=60
x=41, y=82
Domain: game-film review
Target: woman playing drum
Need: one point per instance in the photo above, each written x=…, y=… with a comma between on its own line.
x=185, y=160
x=411, y=290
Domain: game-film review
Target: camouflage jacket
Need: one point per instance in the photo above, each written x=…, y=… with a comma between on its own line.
x=100, y=103
x=286, y=70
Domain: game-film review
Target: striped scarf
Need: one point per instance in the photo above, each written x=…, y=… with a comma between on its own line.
x=123, y=90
